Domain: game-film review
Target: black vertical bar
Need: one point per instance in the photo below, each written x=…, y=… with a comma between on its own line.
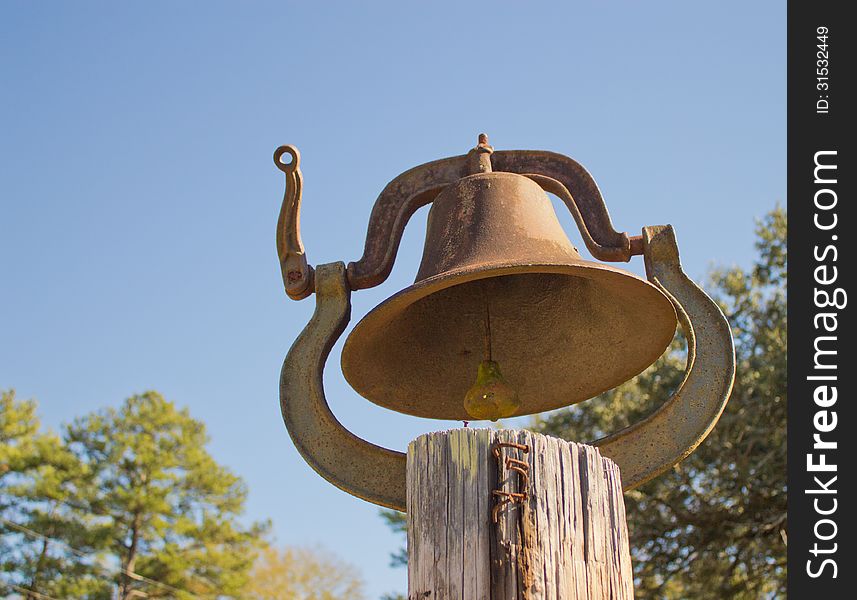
x=822, y=436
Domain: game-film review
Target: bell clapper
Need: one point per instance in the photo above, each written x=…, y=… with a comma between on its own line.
x=491, y=397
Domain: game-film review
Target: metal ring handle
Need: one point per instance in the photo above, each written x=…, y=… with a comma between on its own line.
x=297, y=273
x=289, y=167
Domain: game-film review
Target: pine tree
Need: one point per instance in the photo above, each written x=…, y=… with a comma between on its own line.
x=125, y=503
x=169, y=512
x=42, y=520
x=18, y=428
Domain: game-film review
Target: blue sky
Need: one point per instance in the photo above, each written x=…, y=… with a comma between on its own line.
x=138, y=199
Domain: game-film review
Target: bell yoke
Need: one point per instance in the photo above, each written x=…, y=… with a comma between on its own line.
x=501, y=297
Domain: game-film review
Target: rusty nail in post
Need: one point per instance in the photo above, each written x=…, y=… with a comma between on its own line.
x=522, y=468
x=495, y=512
x=496, y=450
x=513, y=464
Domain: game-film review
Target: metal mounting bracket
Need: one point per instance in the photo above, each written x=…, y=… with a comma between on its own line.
x=642, y=451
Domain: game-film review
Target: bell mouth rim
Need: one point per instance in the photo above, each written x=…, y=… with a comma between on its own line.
x=387, y=310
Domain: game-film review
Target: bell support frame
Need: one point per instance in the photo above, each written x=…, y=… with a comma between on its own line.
x=352, y=464
x=642, y=451
x=649, y=447
x=417, y=187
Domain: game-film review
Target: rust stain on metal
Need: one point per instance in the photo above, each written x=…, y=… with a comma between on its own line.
x=520, y=467
x=420, y=185
x=496, y=449
x=494, y=238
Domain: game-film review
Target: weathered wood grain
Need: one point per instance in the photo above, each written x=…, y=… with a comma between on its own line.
x=568, y=540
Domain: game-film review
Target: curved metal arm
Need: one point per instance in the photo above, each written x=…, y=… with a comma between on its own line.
x=419, y=186
x=347, y=461
x=642, y=451
x=558, y=174
x=648, y=448
x=297, y=274
x=627, y=246
x=394, y=207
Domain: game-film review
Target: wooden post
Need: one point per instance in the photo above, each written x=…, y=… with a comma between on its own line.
x=560, y=531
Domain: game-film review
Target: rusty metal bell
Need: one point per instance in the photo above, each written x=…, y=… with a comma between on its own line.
x=500, y=278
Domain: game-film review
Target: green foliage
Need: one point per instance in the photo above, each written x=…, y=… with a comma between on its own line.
x=715, y=525
x=18, y=428
x=127, y=501
x=397, y=521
